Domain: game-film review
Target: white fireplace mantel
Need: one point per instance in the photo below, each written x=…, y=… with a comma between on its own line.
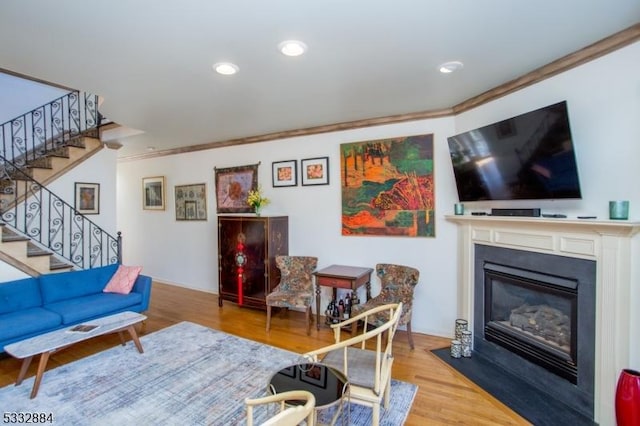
x=609, y=243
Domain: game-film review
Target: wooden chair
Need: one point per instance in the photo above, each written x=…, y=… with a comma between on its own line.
x=296, y=286
x=289, y=415
x=398, y=283
x=368, y=370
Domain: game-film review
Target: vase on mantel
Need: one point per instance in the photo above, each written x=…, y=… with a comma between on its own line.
x=257, y=209
x=628, y=398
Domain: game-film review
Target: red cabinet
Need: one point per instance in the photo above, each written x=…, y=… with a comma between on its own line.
x=247, y=248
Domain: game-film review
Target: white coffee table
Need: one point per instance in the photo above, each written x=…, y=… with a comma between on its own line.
x=49, y=343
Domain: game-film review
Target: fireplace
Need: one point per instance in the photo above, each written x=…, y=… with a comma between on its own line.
x=534, y=317
x=610, y=244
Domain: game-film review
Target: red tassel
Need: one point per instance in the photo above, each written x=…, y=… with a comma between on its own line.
x=240, y=248
x=240, y=272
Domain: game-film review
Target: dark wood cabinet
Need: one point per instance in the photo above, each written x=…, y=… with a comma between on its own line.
x=247, y=250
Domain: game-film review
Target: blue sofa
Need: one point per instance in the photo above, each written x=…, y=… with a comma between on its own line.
x=32, y=306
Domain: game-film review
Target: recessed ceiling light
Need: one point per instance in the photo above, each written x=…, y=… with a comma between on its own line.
x=151, y=148
x=226, y=68
x=292, y=47
x=449, y=67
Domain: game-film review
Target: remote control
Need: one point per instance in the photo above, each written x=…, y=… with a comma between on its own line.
x=587, y=217
x=555, y=215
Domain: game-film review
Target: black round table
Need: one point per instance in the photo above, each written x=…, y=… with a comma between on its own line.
x=328, y=385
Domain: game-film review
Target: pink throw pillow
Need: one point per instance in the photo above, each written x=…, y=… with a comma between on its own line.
x=123, y=280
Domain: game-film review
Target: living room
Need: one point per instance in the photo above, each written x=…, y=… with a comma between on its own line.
x=603, y=102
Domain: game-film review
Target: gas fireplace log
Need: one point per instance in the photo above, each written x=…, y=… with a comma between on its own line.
x=542, y=321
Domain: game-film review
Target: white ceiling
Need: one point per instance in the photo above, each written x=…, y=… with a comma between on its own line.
x=151, y=59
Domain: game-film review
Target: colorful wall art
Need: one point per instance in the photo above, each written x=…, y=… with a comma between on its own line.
x=388, y=187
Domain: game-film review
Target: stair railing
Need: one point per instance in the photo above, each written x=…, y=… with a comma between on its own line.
x=34, y=211
x=42, y=130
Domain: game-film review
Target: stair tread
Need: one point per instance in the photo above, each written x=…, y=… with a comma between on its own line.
x=33, y=251
x=8, y=238
x=56, y=264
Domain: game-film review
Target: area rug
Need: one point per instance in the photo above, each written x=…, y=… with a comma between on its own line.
x=187, y=375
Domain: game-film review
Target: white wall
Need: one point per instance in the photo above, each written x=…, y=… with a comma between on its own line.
x=20, y=96
x=604, y=105
x=188, y=256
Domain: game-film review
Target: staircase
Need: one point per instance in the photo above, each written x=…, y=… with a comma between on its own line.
x=42, y=233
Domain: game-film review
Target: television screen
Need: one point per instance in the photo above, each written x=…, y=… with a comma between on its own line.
x=527, y=157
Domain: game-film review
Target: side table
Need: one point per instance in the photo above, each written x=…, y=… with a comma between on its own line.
x=340, y=276
x=328, y=385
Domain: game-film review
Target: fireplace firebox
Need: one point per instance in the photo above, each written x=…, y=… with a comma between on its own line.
x=534, y=317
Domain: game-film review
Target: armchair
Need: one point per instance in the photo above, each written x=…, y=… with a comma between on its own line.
x=288, y=415
x=398, y=283
x=295, y=288
x=368, y=370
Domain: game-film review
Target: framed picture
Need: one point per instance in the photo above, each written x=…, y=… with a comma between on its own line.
x=315, y=171
x=314, y=374
x=191, y=202
x=232, y=187
x=153, y=193
x=87, y=199
x=388, y=187
x=284, y=173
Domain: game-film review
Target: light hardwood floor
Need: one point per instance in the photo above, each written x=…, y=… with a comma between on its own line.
x=444, y=396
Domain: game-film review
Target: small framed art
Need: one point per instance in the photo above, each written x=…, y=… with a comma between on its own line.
x=315, y=171
x=191, y=202
x=284, y=173
x=232, y=187
x=87, y=199
x=153, y=193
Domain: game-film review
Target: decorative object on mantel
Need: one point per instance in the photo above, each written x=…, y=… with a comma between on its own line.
x=461, y=325
x=628, y=398
x=257, y=200
x=388, y=188
x=619, y=210
x=232, y=187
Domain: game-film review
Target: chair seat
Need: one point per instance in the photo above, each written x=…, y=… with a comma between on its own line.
x=379, y=318
x=361, y=365
x=289, y=299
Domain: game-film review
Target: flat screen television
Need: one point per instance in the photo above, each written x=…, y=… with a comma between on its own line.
x=527, y=157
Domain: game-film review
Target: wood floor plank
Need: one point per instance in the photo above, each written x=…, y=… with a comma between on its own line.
x=444, y=396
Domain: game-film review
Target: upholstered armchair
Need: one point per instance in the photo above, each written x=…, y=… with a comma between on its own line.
x=368, y=370
x=398, y=283
x=288, y=415
x=295, y=289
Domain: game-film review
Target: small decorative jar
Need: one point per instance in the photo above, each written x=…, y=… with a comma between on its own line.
x=456, y=349
x=461, y=325
x=466, y=344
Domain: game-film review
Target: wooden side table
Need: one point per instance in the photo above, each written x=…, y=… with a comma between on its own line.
x=340, y=276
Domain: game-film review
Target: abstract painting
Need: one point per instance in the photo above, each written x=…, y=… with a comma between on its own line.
x=388, y=187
